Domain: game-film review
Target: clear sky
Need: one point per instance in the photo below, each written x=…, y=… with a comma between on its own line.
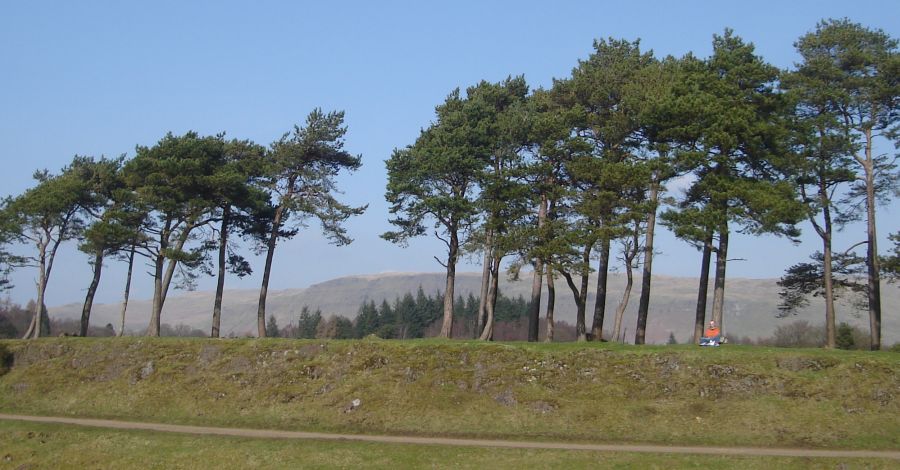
x=98, y=78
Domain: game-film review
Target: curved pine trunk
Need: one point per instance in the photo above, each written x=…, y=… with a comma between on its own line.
x=127, y=291
x=164, y=287
x=163, y=279
x=92, y=290
x=39, y=323
x=267, y=270
x=580, y=295
x=491, y=305
x=220, y=280
x=481, y=315
x=33, y=326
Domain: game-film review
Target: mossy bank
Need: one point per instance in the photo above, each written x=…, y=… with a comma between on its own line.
x=582, y=392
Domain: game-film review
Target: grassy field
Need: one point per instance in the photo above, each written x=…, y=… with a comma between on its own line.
x=574, y=392
x=29, y=445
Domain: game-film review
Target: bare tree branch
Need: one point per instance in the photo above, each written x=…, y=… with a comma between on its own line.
x=848, y=250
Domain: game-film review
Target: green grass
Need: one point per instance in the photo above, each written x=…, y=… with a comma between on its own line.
x=574, y=392
x=58, y=446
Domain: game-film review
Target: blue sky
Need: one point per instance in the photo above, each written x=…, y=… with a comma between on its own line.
x=98, y=78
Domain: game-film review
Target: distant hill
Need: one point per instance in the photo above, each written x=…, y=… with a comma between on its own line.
x=750, y=304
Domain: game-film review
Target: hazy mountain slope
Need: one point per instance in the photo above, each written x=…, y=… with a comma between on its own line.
x=751, y=304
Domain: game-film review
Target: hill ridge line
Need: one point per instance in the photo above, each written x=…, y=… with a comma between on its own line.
x=751, y=305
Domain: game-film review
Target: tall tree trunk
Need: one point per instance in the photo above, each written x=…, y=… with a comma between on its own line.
x=220, y=281
x=127, y=290
x=40, y=321
x=92, y=289
x=33, y=330
x=45, y=321
x=600, y=300
x=825, y=233
x=153, y=327
x=873, y=290
x=481, y=315
x=585, y=279
x=718, y=307
x=534, y=307
x=830, y=333
x=580, y=334
x=551, y=304
x=620, y=310
x=170, y=268
x=447, y=325
x=29, y=332
x=488, y=333
x=644, y=303
x=534, y=314
x=702, y=290
x=164, y=272
x=267, y=270
x=158, y=265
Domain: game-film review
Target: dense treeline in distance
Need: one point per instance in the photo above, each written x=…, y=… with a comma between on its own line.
x=404, y=318
x=408, y=316
x=566, y=180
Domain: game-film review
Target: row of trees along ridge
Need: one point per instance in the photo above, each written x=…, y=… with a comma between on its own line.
x=556, y=178
x=162, y=203
x=568, y=180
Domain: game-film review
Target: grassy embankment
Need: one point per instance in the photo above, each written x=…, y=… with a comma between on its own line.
x=575, y=392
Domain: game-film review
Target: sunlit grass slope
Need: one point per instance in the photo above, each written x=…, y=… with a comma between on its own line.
x=573, y=392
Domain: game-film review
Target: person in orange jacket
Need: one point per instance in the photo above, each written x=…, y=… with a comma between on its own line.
x=712, y=336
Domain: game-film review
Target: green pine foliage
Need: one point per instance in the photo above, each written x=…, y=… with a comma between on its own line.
x=804, y=280
x=13, y=319
x=890, y=264
x=272, y=327
x=44, y=217
x=845, y=338
x=308, y=323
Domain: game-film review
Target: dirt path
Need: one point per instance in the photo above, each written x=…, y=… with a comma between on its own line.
x=276, y=434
